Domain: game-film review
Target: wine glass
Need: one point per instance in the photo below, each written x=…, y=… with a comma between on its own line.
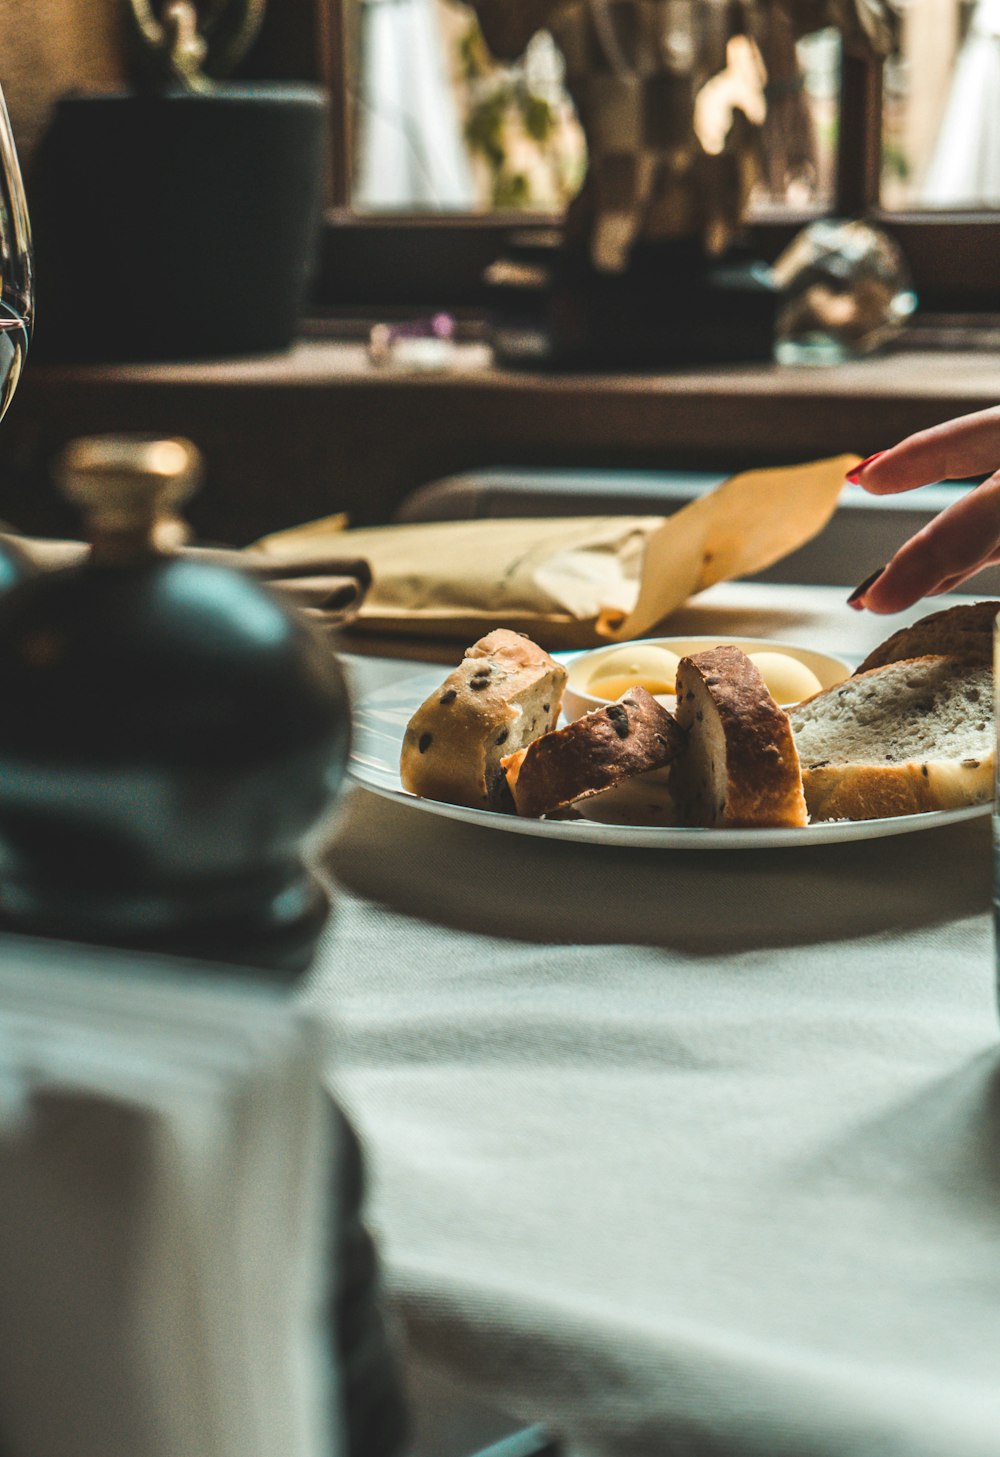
x=16, y=281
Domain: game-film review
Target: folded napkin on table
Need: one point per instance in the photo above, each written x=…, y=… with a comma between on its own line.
x=327, y=588
x=572, y=581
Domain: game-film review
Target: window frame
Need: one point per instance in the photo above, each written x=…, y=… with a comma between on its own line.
x=409, y=262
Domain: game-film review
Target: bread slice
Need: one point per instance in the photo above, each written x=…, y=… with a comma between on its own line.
x=965, y=631
x=505, y=692
x=599, y=752
x=739, y=766
x=910, y=736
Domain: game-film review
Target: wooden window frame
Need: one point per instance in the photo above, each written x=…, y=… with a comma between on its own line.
x=412, y=262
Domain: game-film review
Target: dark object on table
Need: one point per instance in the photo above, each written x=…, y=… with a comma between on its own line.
x=375, y=1412
x=672, y=306
x=169, y=733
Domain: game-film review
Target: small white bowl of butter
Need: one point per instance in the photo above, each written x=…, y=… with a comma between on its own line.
x=599, y=677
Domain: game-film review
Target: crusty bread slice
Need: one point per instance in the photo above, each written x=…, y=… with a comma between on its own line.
x=505, y=692
x=965, y=631
x=601, y=751
x=913, y=735
x=739, y=766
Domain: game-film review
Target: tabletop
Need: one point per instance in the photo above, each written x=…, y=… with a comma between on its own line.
x=677, y=1152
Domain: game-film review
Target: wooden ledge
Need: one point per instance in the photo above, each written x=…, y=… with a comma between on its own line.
x=906, y=375
x=295, y=436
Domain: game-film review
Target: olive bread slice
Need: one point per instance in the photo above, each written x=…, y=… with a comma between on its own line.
x=596, y=754
x=505, y=692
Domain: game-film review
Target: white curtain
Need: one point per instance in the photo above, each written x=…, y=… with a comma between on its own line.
x=411, y=154
x=965, y=166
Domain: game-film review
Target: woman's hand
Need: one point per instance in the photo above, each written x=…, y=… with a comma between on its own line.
x=962, y=539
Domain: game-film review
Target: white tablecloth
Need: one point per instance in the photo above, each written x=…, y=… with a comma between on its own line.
x=683, y=1152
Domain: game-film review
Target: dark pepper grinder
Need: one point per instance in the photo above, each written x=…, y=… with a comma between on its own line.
x=169, y=734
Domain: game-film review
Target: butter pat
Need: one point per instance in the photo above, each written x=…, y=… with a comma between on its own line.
x=655, y=669
x=788, y=681
x=640, y=666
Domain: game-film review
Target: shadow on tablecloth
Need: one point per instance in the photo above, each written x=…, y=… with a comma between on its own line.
x=474, y=879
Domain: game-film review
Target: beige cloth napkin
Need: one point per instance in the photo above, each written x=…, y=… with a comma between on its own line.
x=327, y=588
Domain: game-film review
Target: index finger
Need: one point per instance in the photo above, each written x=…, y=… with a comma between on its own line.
x=966, y=446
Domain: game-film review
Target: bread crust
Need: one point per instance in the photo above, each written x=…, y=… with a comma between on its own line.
x=965, y=632
x=596, y=752
x=877, y=791
x=853, y=789
x=761, y=774
x=505, y=692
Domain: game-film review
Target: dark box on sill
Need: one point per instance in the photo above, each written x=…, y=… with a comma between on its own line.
x=177, y=226
x=550, y=308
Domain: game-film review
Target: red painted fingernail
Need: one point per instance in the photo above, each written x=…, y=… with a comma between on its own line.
x=854, y=600
x=852, y=475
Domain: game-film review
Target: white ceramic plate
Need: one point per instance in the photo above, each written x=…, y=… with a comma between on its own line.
x=379, y=724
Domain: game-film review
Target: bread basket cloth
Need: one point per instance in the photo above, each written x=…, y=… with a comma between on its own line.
x=572, y=581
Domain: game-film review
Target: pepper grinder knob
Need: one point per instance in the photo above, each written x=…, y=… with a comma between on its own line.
x=130, y=489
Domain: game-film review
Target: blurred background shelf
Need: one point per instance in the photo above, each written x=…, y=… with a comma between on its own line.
x=292, y=437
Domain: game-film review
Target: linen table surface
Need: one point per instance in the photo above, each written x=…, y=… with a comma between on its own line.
x=682, y=1152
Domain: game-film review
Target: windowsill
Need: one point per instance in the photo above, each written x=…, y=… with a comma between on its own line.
x=910, y=373
x=298, y=435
